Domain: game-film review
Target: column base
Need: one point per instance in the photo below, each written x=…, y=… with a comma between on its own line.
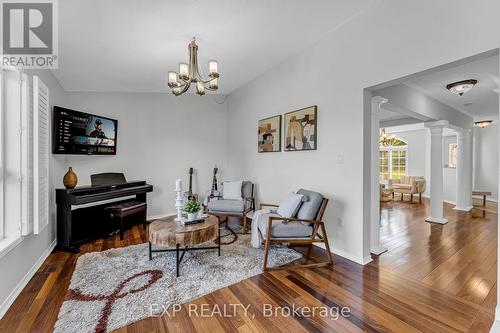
x=439, y=220
x=465, y=209
x=378, y=251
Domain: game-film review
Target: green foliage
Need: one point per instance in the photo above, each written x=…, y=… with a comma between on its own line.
x=192, y=206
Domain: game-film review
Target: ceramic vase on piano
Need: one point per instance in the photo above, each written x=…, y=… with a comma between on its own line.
x=70, y=179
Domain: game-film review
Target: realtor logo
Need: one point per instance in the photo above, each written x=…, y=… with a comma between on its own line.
x=29, y=34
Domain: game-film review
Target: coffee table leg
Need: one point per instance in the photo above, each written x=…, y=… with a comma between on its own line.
x=218, y=238
x=177, y=259
x=150, y=253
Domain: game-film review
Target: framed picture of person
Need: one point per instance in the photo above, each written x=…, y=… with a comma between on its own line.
x=301, y=129
x=269, y=139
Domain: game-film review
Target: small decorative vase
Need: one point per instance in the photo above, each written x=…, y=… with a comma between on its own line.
x=192, y=216
x=70, y=179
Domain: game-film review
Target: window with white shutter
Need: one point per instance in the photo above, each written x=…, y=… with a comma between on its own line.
x=27, y=155
x=41, y=143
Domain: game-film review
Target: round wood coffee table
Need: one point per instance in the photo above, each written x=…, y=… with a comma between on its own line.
x=167, y=232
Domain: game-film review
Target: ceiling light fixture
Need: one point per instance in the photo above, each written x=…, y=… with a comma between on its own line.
x=189, y=73
x=461, y=87
x=483, y=123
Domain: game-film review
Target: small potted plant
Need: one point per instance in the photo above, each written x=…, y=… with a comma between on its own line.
x=192, y=208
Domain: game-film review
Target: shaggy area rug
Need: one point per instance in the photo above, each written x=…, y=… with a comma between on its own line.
x=114, y=288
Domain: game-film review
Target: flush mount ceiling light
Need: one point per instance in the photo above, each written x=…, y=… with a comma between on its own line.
x=483, y=123
x=189, y=73
x=461, y=87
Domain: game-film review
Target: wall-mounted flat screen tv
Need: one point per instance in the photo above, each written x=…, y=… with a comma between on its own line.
x=78, y=132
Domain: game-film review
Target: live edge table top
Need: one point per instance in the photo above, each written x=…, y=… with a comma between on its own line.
x=167, y=232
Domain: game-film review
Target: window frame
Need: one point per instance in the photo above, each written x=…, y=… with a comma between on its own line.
x=390, y=150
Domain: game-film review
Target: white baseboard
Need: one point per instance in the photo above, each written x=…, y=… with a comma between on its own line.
x=378, y=251
x=463, y=209
x=438, y=220
x=24, y=281
x=348, y=256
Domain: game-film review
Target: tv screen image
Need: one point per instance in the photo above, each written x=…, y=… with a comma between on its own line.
x=78, y=132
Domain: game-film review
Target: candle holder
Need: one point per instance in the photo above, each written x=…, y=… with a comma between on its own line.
x=179, y=200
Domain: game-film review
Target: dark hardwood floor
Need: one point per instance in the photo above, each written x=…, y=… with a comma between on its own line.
x=433, y=279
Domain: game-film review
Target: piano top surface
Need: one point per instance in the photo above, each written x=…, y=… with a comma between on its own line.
x=90, y=188
x=95, y=193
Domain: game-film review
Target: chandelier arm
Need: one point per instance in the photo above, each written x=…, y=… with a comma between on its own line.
x=204, y=84
x=208, y=81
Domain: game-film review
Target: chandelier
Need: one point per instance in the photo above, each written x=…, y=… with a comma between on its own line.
x=386, y=140
x=189, y=73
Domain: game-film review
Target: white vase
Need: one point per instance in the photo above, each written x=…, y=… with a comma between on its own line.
x=192, y=216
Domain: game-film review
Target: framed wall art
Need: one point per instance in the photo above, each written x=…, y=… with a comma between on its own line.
x=301, y=129
x=269, y=139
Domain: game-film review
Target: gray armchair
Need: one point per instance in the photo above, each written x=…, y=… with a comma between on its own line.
x=301, y=229
x=224, y=208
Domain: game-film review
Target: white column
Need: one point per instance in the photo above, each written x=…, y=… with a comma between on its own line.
x=375, y=247
x=436, y=178
x=464, y=170
x=469, y=143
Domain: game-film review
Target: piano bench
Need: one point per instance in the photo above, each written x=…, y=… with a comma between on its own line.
x=120, y=211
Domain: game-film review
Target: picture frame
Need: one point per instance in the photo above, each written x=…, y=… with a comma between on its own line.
x=269, y=135
x=300, y=129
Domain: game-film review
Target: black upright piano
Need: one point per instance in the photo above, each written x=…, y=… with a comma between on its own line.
x=80, y=225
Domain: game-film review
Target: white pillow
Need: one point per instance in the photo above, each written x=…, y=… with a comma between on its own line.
x=232, y=190
x=290, y=205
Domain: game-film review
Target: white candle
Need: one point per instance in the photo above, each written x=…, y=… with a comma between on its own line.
x=178, y=185
x=183, y=70
x=172, y=78
x=212, y=66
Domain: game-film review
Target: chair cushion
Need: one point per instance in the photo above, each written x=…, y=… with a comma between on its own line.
x=232, y=190
x=402, y=186
x=279, y=229
x=310, y=207
x=127, y=208
x=246, y=189
x=233, y=206
x=290, y=205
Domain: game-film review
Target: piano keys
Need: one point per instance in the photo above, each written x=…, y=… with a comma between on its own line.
x=66, y=198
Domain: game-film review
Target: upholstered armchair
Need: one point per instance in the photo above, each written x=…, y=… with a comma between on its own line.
x=301, y=229
x=408, y=185
x=234, y=205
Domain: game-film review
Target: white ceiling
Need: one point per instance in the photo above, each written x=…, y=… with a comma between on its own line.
x=129, y=45
x=480, y=103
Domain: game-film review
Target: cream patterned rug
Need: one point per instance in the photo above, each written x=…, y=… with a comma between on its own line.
x=114, y=288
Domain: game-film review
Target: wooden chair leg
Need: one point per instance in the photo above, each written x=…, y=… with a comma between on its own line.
x=420, y=197
x=327, y=245
x=245, y=228
x=267, y=244
x=144, y=220
x=411, y=198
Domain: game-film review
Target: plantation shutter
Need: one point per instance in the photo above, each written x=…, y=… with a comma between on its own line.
x=40, y=154
x=26, y=155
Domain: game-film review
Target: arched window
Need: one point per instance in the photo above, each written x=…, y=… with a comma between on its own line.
x=393, y=156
